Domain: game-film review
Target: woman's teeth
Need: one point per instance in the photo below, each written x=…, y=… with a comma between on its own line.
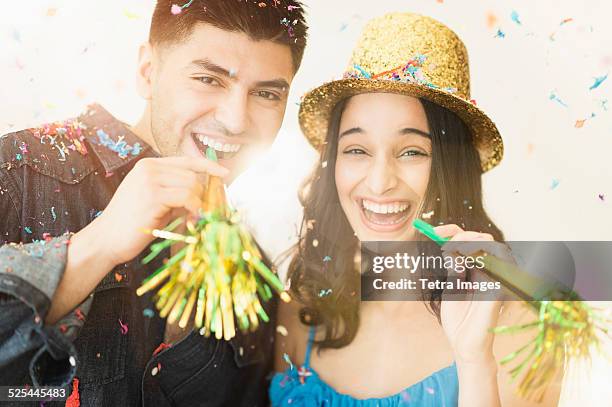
x=227, y=150
x=391, y=213
x=392, y=207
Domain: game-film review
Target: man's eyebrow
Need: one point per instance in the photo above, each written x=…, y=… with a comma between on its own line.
x=404, y=131
x=211, y=66
x=208, y=65
x=354, y=130
x=274, y=83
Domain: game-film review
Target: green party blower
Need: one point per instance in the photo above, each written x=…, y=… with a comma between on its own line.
x=565, y=328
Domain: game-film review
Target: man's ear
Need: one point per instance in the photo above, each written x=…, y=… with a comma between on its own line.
x=144, y=71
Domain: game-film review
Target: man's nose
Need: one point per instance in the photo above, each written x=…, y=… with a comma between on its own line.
x=232, y=112
x=382, y=176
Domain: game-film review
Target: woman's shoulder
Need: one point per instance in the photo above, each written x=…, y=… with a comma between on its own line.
x=291, y=338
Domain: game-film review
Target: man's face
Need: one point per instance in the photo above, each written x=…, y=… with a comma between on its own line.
x=219, y=89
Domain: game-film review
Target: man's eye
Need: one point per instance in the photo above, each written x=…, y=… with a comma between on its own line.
x=207, y=80
x=267, y=95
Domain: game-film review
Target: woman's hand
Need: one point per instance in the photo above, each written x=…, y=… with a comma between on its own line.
x=468, y=323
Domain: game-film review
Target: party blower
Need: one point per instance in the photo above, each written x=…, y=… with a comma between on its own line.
x=219, y=271
x=566, y=325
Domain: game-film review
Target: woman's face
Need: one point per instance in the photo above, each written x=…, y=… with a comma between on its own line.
x=383, y=164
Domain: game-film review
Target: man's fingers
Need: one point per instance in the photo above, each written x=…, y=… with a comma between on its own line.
x=199, y=165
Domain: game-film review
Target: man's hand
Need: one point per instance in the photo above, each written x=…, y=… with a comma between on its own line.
x=149, y=197
x=145, y=200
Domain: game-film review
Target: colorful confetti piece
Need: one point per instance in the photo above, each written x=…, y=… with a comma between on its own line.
x=500, y=34
x=515, y=17
x=554, y=184
x=598, y=81
x=124, y=328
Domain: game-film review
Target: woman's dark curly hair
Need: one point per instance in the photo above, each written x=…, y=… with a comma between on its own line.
x=324, y=257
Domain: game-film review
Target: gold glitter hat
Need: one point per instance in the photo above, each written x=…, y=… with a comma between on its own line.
x=413, y=55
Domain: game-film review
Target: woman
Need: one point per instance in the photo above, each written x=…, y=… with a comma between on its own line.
x=399, y=138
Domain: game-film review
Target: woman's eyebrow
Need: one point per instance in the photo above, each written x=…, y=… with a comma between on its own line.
x=410, y=130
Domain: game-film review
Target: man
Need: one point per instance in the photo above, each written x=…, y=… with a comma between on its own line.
x=214, y=73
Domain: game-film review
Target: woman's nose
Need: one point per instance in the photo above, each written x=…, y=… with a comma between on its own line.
x=382, y=176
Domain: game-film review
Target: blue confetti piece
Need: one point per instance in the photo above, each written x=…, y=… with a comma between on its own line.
x=554, y=97
x=53, y=213
x=554, y=184
x=327, y=258
x=27, y=229
x=148, y=313
x=98, y=214
x=325, y=293
x=362, y=71
x=598, y=81
x=515, y=17
x=500, y=34
x=286, y=358
x=18, y=157
x=120, y=146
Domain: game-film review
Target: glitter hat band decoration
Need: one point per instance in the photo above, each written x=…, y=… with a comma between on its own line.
x=408, y=54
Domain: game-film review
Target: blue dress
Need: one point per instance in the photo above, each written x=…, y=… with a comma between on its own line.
x=302, y=387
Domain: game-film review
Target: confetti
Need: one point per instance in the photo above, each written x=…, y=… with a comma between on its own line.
x=553, y=96
x=282, y=330
x=515, y=17
x=148, y=313
x=176, y=9
x=325, y=293
x=598, y=81
x=579, y=123
x=326, y=259
x=133, y=16
x=315, y=242
x=491, y=20
x=119, y=146
x=601, y=196
x=154, y=371
x=162, y=346
x=118, y=277
x=27, y=229
x=567, y=20
x=124, y=328
x=500, y=34
x=324, y=164
x=554, y=184
x=427, y=215
x=429, y=390
x=286, y=358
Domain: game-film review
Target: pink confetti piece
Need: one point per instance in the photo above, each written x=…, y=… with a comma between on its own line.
x=176, y=9
x=429, y=390
x=124, y=328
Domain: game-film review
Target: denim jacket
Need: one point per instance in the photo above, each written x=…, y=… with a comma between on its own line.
x=54, y=180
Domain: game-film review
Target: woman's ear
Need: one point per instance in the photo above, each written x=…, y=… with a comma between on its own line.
x=144, y=71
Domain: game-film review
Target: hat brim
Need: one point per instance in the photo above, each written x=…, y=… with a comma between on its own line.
x=317, y=105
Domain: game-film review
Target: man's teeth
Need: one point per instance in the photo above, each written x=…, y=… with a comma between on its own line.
x=217, y=145
x=391, y=207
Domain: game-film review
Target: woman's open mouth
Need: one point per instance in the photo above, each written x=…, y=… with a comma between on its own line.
x=222, y=149
x=385, y=217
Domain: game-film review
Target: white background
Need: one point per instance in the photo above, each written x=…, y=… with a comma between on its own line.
x=58, y=55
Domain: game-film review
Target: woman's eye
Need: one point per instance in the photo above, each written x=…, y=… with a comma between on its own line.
x=413, y=153
x=354, y=151
x=267, y=95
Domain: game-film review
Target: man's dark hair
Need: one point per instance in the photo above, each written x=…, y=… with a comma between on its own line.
x=280, y=21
